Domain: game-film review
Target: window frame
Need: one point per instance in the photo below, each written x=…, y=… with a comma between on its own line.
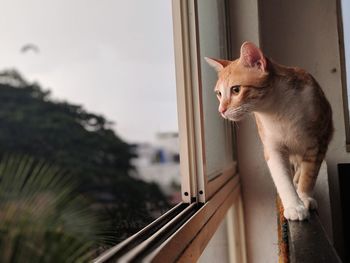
x=195, y=182
x=343, y=69
x=183, y=232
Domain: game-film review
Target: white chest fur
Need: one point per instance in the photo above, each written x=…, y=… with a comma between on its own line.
x=285, y=124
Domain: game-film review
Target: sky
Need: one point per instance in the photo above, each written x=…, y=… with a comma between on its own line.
x=114, y=57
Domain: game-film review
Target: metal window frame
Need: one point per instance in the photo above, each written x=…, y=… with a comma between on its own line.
x=189, y=241
x=135, y=240
x=196, y=184
x=181, y=234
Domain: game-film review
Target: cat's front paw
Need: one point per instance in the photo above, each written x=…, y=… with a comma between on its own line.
x=309, y=202
x=298, y=212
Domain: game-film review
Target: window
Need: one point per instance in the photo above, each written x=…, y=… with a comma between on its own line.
x=90, y=86
x=209, y=182
x=110, y=118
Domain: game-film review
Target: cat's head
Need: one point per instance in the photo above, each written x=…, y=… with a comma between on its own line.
x=242, y=84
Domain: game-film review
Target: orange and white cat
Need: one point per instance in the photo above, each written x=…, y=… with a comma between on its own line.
x=293, y=117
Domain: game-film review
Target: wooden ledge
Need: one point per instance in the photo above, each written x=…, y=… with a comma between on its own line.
x=303, y=241
x=308, y=242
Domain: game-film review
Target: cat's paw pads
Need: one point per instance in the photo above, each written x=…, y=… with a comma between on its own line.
x=309, y=202
x=298, y=212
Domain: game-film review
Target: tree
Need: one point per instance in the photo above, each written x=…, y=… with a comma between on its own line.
x=42, y=218
x=81, y=142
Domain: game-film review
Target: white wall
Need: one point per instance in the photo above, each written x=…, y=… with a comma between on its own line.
x=305, y=33
x=258, y=191
x=300, y=33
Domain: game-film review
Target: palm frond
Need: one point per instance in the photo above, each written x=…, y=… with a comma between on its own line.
x=42, y=219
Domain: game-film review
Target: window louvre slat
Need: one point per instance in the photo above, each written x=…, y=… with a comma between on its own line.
x=133, y=241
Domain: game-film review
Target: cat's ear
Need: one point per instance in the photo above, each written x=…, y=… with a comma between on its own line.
x=217, y=64
x=251, y=56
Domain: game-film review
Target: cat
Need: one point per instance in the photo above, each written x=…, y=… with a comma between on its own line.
x=293, y=117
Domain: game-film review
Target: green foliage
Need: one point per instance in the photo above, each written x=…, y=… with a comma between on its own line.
x=33, y=124
x=42, y=218
x=83, y=143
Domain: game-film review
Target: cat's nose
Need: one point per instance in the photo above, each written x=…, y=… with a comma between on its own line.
x=222, y=110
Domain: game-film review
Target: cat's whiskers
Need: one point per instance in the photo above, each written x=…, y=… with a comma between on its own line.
x=239, y=112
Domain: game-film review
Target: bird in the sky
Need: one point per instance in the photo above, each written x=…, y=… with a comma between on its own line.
x=30, y=48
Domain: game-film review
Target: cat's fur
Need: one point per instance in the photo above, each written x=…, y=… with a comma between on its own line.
x=293, y=117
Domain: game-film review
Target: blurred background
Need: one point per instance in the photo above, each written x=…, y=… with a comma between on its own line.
x=88, y=124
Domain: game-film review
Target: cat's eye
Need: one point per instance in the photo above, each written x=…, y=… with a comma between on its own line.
x=218, y=93
x=235, y=89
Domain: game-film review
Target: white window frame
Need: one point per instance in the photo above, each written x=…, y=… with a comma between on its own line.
x=195, y=182
x=223, y=191
x=184, y=236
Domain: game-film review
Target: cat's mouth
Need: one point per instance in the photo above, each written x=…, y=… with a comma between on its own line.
x=235, y=114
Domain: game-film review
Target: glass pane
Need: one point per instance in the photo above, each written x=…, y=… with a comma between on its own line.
x=90, y=86
x=212, y=42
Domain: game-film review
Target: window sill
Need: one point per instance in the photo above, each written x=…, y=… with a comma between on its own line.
x=308, y=242
x=179, y=235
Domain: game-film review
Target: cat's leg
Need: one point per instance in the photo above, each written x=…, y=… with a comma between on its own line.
x=278, y=164
x=310, y=167
x=296, y=177
x=295, y=161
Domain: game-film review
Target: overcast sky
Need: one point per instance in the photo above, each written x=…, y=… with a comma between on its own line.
x=114, y=57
